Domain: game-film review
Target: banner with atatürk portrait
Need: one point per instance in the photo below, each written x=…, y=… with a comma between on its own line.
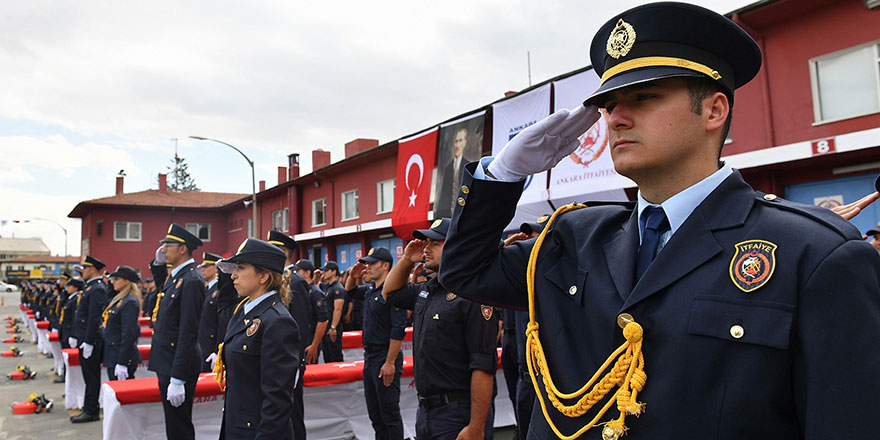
x=460, y=142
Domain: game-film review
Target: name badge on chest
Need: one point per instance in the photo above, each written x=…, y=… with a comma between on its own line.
x=423, y=294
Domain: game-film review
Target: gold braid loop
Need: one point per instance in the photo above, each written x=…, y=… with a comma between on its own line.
x=627, y=367
x=159, y=297
x=220, y=369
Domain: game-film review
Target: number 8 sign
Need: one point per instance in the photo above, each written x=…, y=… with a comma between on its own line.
x=823, y=146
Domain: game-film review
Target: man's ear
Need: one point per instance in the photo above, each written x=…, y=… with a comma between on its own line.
x=716, y=108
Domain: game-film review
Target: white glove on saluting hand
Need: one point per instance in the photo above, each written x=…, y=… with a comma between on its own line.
x=160, y=257
x=71, y=342
x=542, y=145
x=176, y=394
x=121, y=372
x=87, y=350
x=212, y=358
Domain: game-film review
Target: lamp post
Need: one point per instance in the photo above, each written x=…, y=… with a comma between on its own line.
x=253, y=178
x=66, y=267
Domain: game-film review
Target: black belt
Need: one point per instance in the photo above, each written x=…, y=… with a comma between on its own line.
x=371, y=348
x=441, y=399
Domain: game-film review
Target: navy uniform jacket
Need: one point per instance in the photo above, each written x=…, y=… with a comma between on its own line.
x=801, y=366
x=68, y=316
x=87, y=324
x=174, y=351
x=301, y=308
x=451, y=337
x=121, y=333
x=382, y=321
x=261, y=356
x=208, y=323
x=335, y=291
x=319, y=310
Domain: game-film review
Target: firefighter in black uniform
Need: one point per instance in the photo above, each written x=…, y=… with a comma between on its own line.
x=121, y=327
x=384, y=330
x=174, y=354
x=208, y=325
x=260, y=353
x=87, y=336
x=454, y=345
x=331, y=346
x=319, y=316
x=301, y=310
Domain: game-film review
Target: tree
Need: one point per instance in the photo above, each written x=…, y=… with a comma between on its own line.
x=180, y=179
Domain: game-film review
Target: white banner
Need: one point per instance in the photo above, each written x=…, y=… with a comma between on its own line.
x=588, y=173
x=508, y=119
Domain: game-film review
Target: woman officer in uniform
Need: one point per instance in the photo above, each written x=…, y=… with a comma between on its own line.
x=260, y=351
x=121, y=327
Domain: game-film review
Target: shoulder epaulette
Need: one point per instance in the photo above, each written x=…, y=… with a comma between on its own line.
x=820, y=215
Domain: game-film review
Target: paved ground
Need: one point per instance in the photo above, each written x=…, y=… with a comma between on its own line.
x=52, y=425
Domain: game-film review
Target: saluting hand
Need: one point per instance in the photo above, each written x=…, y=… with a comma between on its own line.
x=519, y=236
x=853, y=209
x=415, y=250
x=357, y=271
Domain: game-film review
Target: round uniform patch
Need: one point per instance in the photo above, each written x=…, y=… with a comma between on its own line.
x=436, y=223
x=753, y=264
x=253, y=328
x=486, y=311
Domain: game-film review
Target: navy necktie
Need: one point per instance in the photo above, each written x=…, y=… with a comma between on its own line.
x=655, y=225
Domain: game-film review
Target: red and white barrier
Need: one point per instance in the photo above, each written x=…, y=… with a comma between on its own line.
x=333, y=395
x=42, y=338
x=146, y=337
x=75, y=386
x=353, y=346
x=144, y=321
x=55, y=349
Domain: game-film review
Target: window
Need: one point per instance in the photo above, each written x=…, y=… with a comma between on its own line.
x=285, y=220
x=319, y=210
x=127, y=231
x=350, y=205
x=201, y=230
x=279, y=220
x=846, y=84
x=385, y=196
x=250, y=227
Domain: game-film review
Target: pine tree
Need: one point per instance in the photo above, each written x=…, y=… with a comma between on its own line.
x=180, y=179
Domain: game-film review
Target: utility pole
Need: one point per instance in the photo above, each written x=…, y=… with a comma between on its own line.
x=529, y=66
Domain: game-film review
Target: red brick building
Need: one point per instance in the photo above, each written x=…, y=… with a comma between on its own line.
x=806, y=128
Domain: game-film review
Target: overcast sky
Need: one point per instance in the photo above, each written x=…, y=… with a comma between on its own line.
x=88, y=88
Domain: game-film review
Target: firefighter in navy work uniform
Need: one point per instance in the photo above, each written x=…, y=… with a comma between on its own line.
x=121, y=327
x=331, y=346
x=454, y=345
x=260, y=353
x=300, y=308
x=384, y=330
x=87, y=336
x=714, y=314
x=209, y=323
x=319, y=316
x=174, y=353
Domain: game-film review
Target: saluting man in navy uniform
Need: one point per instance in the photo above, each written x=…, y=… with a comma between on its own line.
x=454, y=345
x=87, y=336
x=174, y=353
x=260, y=353
x=209, y=323
x=300, y=307
x=384, y=330
x=121, y=327
x=701, y=308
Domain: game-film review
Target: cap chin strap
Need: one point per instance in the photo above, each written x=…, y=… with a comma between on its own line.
x=627, y=373
x=638, y=63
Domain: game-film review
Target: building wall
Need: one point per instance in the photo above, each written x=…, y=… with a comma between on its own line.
x=154, y=226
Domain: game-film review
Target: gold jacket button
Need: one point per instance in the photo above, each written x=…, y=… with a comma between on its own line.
x=465, y=189
x=244, y=347
x=461, y=201
x=623, y=319
x=172, y=344
x=737, y=331
x=572, y=290
x=249, y=424
x=769, y=197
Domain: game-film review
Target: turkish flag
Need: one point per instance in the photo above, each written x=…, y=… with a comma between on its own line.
x=412, y=193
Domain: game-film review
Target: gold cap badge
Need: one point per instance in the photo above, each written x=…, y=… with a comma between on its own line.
x=542, y=219
x=621, y=40
x=436, y=223
x=371, y=251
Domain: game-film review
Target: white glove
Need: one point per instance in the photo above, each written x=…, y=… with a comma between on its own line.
x=212, y=358
x=176, y=394
x=87, y=350
x=37, y=314
x=71, y=342
x=121, y=372
x=160, y=257
x=542, y=145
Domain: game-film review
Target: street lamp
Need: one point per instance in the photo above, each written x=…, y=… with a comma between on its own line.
x=253, y=178
x=66, y=267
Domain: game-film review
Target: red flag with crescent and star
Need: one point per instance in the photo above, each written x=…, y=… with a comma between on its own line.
x=412, y=193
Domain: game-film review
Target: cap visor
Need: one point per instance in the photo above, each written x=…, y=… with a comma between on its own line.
x=226, y=266
x=872, y=232
x=424, y=234
x=368, y=260
x=170, y=240
x=637, y=76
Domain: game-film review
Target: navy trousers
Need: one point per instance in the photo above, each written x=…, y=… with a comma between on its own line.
x=445, y=422
x=383, y=403
x=178, y=421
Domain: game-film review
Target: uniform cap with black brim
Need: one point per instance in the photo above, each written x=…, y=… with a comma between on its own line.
x=436, y=232
x=125, y=272
x=377, y=254
x=256, y=252
x=669, y=39
x=280, y=239
x=179, y=235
